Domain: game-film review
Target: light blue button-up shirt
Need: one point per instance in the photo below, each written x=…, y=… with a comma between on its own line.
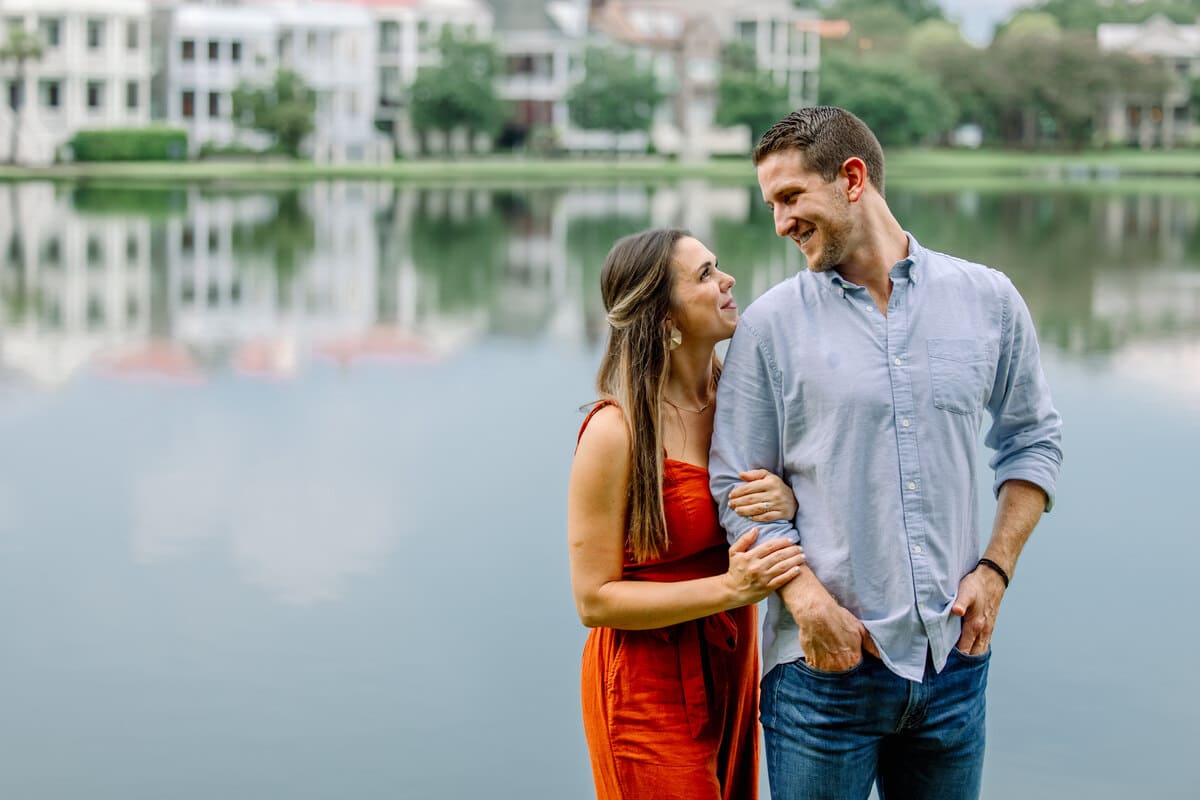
x=873, y=420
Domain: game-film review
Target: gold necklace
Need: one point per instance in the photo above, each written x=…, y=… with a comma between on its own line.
x=699, y=410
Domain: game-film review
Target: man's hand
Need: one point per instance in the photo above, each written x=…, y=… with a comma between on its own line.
x=832, y=638
x=978, y=601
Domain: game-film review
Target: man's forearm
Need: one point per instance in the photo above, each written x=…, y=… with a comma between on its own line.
x=804, y=594
x=1018, y=510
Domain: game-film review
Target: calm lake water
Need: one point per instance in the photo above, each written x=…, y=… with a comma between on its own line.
x=282, y=492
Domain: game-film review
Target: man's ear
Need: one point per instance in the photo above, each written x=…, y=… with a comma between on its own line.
x=854, y=170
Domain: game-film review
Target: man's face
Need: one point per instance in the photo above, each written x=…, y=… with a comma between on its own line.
x=812, y=213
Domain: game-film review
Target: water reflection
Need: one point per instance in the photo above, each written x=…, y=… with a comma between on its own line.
x=185, y=283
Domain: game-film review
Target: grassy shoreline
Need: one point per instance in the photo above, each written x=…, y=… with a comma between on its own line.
x=907, y=167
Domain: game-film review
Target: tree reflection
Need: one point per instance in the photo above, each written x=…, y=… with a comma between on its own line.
x=285, y=239
x=458, y=242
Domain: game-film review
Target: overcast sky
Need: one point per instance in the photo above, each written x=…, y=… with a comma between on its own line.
x=979, y=17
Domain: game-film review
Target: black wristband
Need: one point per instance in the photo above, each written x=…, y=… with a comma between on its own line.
x=999, y=570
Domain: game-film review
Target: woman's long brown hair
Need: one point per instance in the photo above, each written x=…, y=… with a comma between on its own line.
x=636, y=287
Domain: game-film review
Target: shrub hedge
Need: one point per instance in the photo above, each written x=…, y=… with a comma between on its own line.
x=130, y=144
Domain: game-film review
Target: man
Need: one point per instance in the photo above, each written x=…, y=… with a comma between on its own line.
x=863, y=381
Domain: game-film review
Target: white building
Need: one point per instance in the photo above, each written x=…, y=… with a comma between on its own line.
x=94, y=73
x=1165, y=120
x=407, y=35
x=541, y=44
x=207, y=52
x=212, y=47
x=683, y=42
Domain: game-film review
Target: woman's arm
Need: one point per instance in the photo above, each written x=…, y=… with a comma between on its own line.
x=596, y=507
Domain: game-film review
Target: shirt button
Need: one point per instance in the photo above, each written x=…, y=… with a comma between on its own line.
x=905, y=422
x=898, y=362
x=912, y=486
x=917, y=548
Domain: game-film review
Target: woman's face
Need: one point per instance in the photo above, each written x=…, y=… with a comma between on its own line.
x=702, y=306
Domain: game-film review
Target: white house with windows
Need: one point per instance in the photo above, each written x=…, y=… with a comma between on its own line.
x=207, y=52
x=407, y=35
x=210, y=48
x=682, y=41
x=1165, y=120
x=94, y=72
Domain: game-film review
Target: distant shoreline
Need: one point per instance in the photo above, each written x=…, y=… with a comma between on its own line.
x=952, y=168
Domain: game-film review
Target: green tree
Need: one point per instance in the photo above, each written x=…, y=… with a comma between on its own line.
x=1085, y=15
x=616, y=94
x=285, y=110
x=1047, y=85
x=19, y=48
x=875, y=28
x=747, y=95
x=912, y=10
x=459, y=92
x=902, y=105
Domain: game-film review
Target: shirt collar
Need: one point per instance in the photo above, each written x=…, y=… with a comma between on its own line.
x=907, y=268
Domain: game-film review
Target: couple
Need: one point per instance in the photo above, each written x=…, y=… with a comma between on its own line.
x=861, y=383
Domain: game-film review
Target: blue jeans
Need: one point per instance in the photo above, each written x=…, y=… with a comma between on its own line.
x=830, y=735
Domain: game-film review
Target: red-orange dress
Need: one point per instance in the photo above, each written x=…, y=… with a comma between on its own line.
x=672, y=712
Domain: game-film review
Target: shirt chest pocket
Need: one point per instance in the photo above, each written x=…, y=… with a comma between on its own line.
x=960, y=371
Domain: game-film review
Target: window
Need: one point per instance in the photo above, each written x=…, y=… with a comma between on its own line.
x=95, y=95
x=214, y=104
x=187, y=50
x=235, y=52
x=51, y=30
x=95, y=34
x=131, y=95
x=131, y=248
x=51, y=253
x=187, y=242
x=747, y=31
x=95, y=252
x=214, y=50
x=389, y=36
x=14, y=24
x=188, y=101
x=51, y=92
x=16, y=94
x=16, y=250
x=214, y=240
x=131, y=35
x=95, y=313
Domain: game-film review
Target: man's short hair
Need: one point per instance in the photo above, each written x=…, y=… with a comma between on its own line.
x=826, y=136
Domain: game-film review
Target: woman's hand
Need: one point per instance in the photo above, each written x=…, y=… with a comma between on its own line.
x=764, y=497
x=755, y=572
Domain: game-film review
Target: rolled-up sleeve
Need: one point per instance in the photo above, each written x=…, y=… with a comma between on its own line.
x=1026, y=431
x=747, y=430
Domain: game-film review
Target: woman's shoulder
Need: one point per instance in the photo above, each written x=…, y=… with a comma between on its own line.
x=604, y=430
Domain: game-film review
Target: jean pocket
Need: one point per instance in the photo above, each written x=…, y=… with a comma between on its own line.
x=958, y=372
x=968, y=657
x=809, y=669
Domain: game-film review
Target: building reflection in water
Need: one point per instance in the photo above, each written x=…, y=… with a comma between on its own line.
x=186, y=283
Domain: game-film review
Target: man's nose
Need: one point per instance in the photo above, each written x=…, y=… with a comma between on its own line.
x=783, y=222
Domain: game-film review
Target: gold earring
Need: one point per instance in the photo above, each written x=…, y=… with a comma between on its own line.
x=674, y=338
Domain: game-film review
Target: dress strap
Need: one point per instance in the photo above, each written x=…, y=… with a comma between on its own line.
x=599, y=405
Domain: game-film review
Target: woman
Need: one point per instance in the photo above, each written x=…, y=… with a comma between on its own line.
x=670, y=669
